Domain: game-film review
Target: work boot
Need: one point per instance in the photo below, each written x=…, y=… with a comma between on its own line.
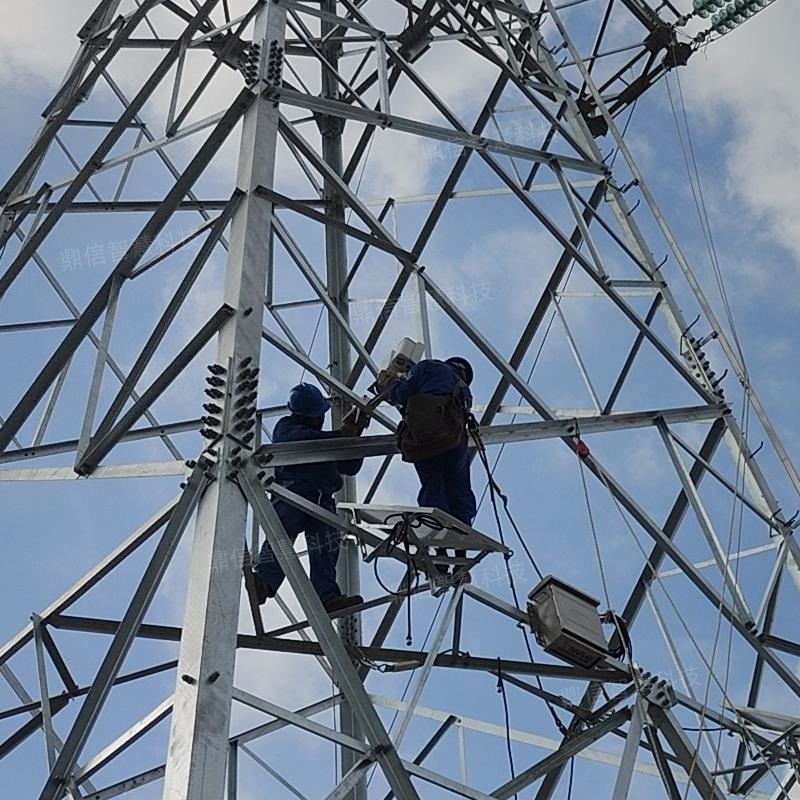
x=342, y=601
x=263, y=589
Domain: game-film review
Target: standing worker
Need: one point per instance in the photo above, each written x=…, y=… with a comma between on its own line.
x=435, y=401
x=317, y=483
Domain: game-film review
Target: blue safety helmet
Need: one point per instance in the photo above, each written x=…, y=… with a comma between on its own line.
x=462, y=367
x=305, y=399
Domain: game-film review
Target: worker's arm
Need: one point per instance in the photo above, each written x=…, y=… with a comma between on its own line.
x=402, y=389
x=350, y=467
x=300, y=433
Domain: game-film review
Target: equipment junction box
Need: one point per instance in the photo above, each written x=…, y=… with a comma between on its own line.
x=404, y=356
x=566, y=622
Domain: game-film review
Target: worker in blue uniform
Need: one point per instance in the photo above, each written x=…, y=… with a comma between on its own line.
x=434, y=400
x=317, y=483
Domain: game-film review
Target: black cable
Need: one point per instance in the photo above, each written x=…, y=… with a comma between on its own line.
x=501, y=690
x=571, y=776
x=493, y=491
x=398, y=536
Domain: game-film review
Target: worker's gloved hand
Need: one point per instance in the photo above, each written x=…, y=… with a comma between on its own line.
x=350, y=429
x=357, y=417
x=385, y=379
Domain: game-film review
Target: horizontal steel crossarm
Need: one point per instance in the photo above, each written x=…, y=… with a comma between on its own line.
x=91, y=578
x=153, y=469
x=333, y=647
x=169, y=633
x=334, y=108
x=167, y=429
x=28, y=326
x=569, y=749
x=276, y=455
x=139, y=206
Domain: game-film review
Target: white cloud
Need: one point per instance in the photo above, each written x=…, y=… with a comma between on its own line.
x=38, y=39
x=750, y=97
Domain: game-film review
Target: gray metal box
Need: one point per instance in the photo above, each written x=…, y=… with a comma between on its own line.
x=566, y=622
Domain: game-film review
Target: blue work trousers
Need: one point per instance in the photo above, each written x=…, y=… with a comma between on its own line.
x=445, y=483
x=322, y=543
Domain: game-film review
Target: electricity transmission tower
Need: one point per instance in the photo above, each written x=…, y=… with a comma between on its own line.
x=228, y=181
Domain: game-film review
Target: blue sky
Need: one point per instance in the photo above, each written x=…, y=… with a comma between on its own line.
x=740, y=97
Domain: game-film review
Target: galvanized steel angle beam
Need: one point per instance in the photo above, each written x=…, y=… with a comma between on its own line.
x=126, y=633
x=448, y=24
x=57, y=385
x=569, y=749
x=346, y=676
x=92, y=577
x=198, y=752
x=120, y=126
x=161, y=328
x=132, y=256
x=105, y=442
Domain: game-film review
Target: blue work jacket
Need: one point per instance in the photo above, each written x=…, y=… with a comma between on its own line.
x=429, y=376
x=325, y=476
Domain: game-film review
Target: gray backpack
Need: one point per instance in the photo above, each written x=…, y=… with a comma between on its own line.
x=433, y=424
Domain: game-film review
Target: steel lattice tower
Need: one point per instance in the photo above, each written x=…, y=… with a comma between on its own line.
x=217, y=162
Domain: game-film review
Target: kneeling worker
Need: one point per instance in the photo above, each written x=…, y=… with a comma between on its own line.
x=434, y=401
x=317, y=483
